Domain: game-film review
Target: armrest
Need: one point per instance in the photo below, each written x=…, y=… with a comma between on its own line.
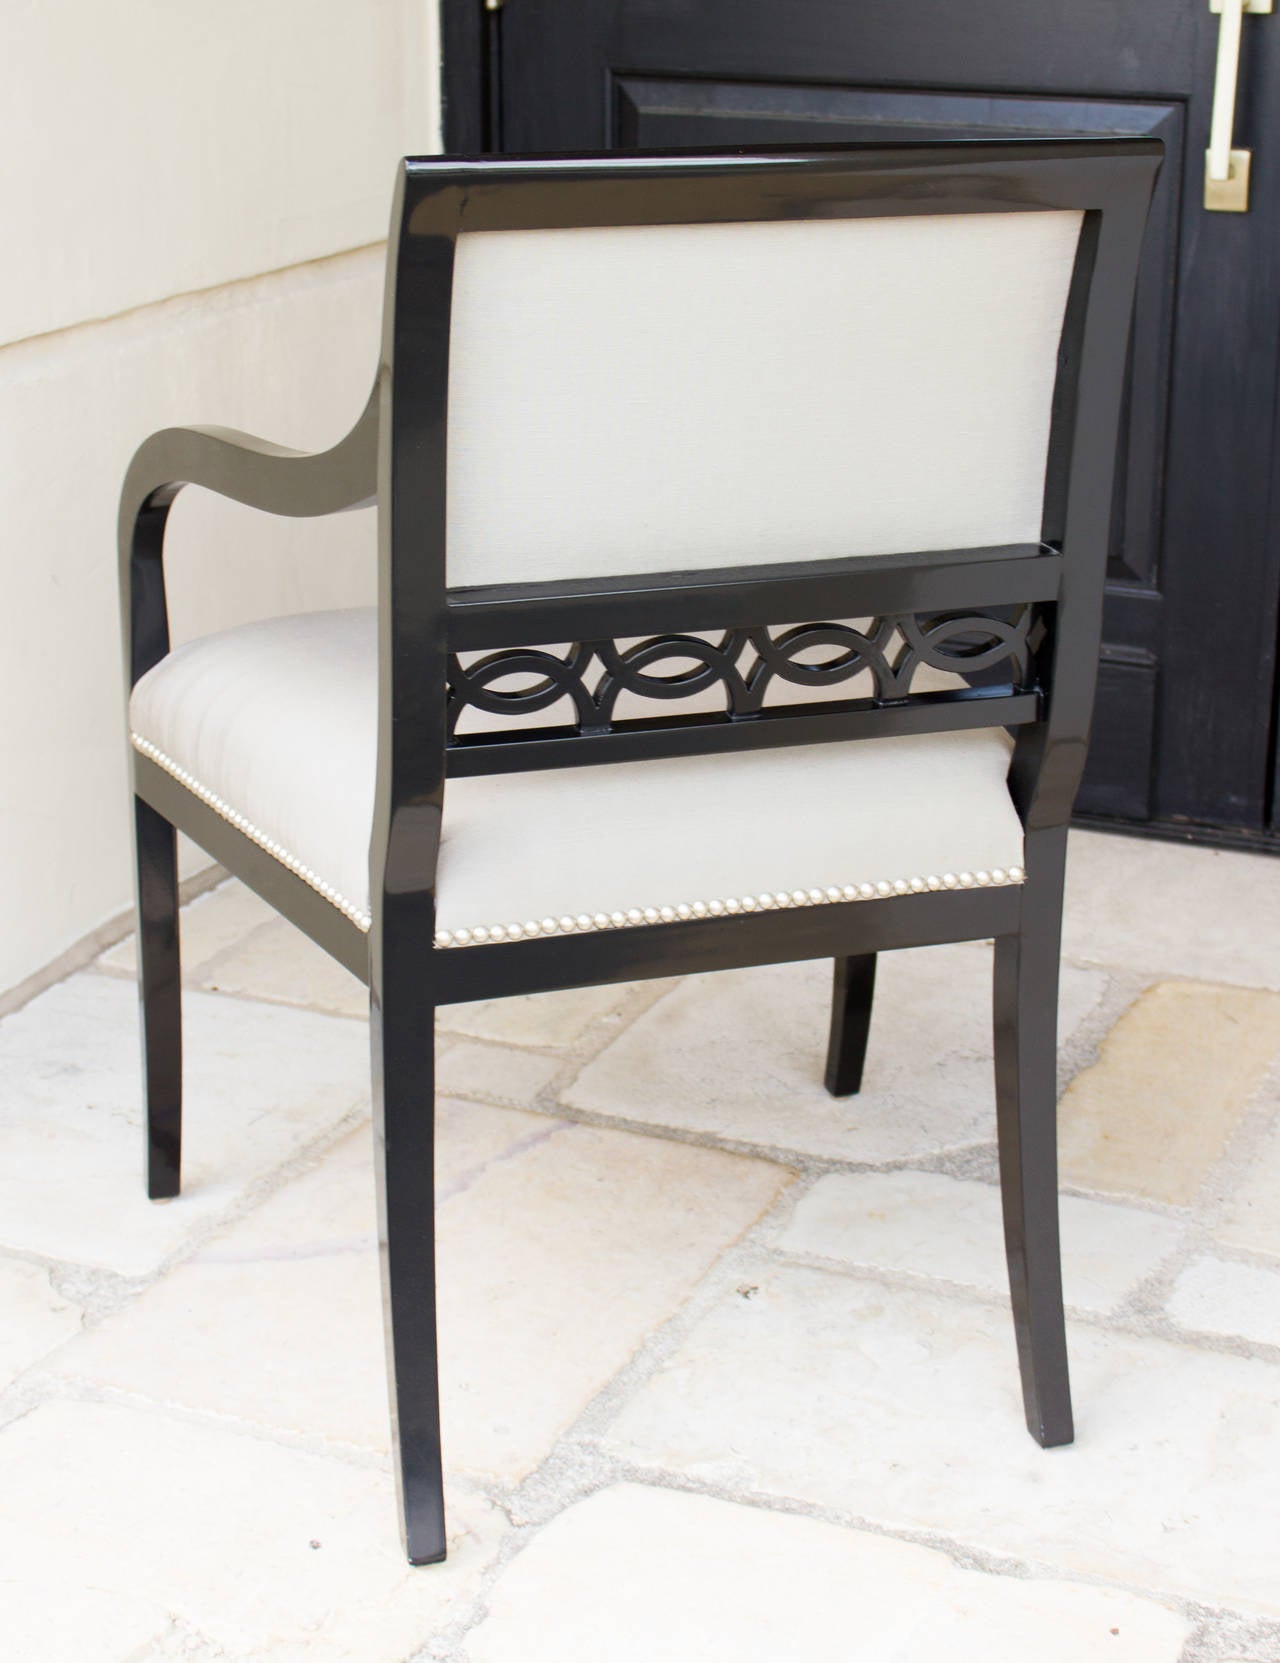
x=254, y=471
x=236, y=465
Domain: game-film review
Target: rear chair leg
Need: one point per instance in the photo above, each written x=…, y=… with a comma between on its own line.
x=403, y=1024
x=160, y=996
x=1026, y=1023
x=852, y=989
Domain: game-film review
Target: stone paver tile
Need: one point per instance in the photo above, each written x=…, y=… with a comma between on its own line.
x=690, y=1576
x=553, y=1020
x=33, y=1318
x=249, y=1325
x=1215, y=1296
x=1252, y=1216
x=1174, y=1077
x=1172, y=909
x=561, y=1247
x=118, y=1524
x=951, y=1228
x=904, y=1408
x=278, y=963
x=261, y=1083
x=740, y=1054
x=209, y=924
x=494, y=1073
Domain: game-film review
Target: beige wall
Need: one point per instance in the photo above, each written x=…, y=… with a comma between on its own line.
x=191, y=192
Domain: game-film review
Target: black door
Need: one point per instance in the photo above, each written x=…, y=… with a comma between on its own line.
x=1183, y=734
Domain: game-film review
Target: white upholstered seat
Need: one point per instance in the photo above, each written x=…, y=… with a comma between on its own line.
x=274, y=724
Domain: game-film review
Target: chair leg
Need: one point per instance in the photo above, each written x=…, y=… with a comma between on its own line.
x=403, y=1025
x=853, y=987
x=1026, y=1022
x=160, y=996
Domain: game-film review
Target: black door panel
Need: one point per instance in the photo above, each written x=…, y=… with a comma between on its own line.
x=1185, y=695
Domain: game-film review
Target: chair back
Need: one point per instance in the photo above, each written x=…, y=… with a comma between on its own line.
x=720, y=435
x=652, y=398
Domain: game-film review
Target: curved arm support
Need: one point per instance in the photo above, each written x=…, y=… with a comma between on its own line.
x=235, y=465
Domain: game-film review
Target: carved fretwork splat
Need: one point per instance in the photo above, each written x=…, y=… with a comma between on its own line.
x=744, y=663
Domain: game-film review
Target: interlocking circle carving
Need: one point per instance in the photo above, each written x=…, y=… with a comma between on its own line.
x=743, y=663
x=554, y=678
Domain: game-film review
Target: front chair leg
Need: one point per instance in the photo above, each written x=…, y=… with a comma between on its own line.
x=160, y=997
x=1026, y=1012
x=403, y=1029
x=853, y=987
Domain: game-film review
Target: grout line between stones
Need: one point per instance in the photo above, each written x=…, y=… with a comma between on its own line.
x=576, y=1466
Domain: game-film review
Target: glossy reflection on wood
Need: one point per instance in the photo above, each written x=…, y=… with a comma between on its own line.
x=1026, y=1056
x=160, y=996
x=403, y=1039
x=398, y=454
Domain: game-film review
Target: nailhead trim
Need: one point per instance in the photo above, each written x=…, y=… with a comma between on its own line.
x=590, y=923
x=193, y=785
x=585, y=923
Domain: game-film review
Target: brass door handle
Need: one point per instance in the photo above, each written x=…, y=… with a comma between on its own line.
x=1226, y=171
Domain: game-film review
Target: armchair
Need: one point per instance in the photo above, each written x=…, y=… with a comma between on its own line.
x=808, y=458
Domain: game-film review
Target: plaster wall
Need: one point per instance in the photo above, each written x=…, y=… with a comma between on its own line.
x=195, y=199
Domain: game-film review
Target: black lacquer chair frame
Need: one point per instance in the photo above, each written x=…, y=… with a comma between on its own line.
x=396, y=456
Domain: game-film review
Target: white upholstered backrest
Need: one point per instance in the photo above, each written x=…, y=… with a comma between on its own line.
x=656, y=398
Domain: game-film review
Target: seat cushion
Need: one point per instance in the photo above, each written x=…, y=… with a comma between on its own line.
x=275, y=725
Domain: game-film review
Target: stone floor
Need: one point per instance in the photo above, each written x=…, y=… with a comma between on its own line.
x=728, y=1367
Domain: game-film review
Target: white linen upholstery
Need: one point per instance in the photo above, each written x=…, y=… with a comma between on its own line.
x=656, y=398
x=275, y=723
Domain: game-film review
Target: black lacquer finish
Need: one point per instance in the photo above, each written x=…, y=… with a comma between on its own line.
x=852, y=991
x=739, y=668
x=1021, y=626
x=160, y=996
